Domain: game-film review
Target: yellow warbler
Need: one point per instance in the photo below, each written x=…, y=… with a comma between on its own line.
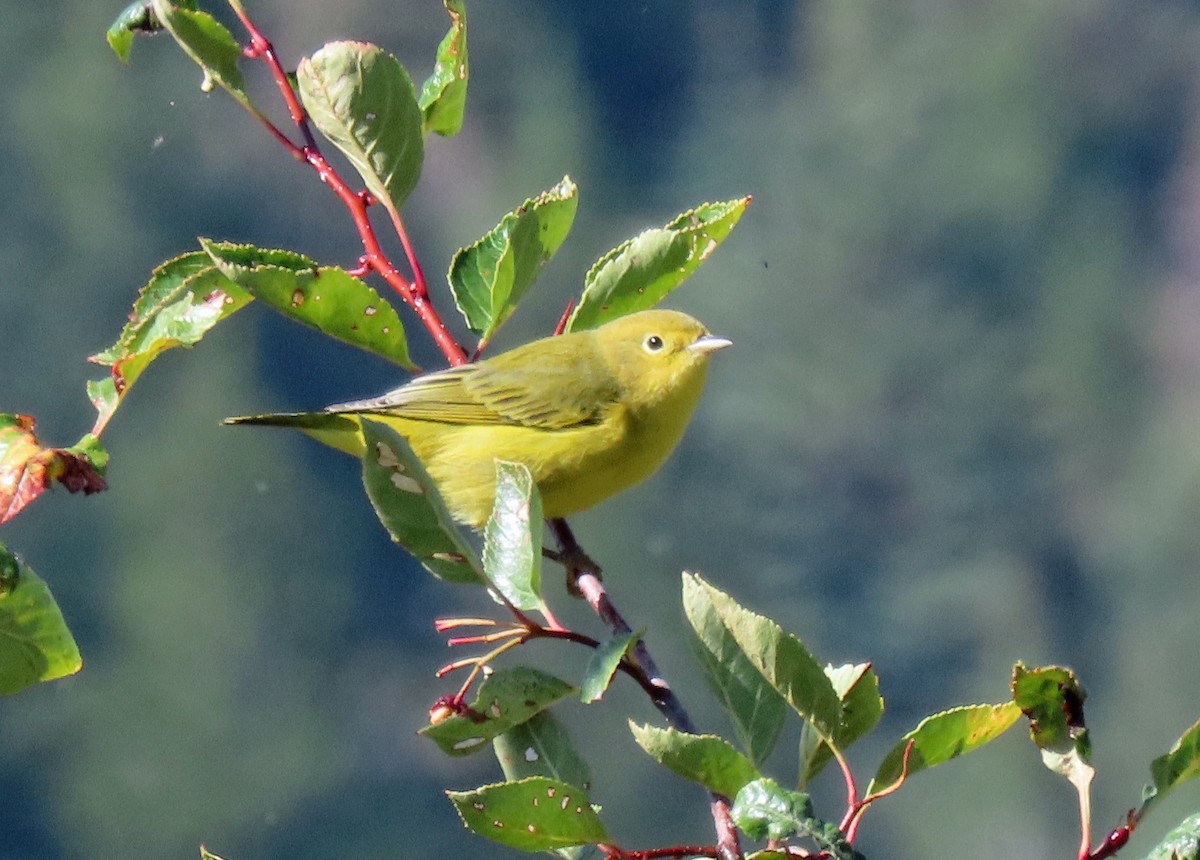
x=589, y=413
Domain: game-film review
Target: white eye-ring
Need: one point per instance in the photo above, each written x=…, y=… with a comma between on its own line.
x=653, y=343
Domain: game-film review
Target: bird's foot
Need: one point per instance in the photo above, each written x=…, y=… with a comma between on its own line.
x=577, y=563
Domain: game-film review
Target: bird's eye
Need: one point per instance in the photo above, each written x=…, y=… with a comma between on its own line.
x=653, y=343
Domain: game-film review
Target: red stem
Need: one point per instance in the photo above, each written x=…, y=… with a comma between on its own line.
x=415, y=294
x=612, y=852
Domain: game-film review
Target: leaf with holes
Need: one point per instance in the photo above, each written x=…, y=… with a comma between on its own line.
x=603, y=663
x=512, y=548
x=534, y=814
x=183, y=300
x=507, y=698
x=945, y=736
x=638, y=273
x=489, y=277
x=444, y=94
x=361, y=98
x=407, y=502
x=35, y=644
x=324, y=297
x=705, y=759
x=208, y=42
x=540, y=746
x=756, y=708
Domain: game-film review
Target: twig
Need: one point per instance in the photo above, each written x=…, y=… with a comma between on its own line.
x=414, y=293
x=592, y=590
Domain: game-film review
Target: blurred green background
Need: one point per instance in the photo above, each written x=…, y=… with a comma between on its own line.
x=958, y=427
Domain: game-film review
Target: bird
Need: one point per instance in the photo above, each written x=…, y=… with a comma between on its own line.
x=589, y=413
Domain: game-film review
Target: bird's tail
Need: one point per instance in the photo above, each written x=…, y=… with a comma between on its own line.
x=343, y=432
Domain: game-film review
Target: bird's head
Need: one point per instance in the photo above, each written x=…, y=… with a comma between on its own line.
x=656, y=354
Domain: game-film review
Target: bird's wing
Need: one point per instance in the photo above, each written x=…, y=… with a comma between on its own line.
x=554, y=388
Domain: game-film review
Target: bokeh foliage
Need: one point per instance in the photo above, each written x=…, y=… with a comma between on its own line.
x=960, y=428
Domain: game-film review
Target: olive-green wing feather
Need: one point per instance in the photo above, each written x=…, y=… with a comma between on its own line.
x=554, y=383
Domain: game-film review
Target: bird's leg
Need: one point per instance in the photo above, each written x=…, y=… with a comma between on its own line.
x=570, y=555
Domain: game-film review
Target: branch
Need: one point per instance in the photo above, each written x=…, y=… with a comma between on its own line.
x=414, y=293
x=586, y=580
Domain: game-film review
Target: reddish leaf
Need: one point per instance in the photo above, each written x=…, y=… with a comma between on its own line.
x=27, y=469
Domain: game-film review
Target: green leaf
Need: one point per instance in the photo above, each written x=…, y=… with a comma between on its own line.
x=362, y=99
x=765, y=810
x=35, y=644
x=857, y=686
x=1052, y=699
x=534, y=814
x=512, y=548
x=489, y=277
x=205, y=854
x=782, y=660
x=27, y=469
x=325, y=297
x=706, y=759
x=444, y=95
x=507, y=698
x=638, y=273
x=1175, y=767
x=756, y=709
x=183, y=300
x=137, y=17
x=1182, y=843
x=540, y=746
x=602, y=665
x=944, y=736
x=207, y=42
x=408, y=503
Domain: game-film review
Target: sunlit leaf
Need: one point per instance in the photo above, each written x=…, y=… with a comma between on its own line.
x=638, y=273
x=507, y=698
x=512, y=548
x=27, y=469
x=362, y=99
x=857, y=686
x=533, y=814
x=780, y=657
x=706, y=759
x=444, y=94
x=183, y=300
x=489, y=277
x=756, y=709
x=1175, y=767
x=939, y=738
x=325, y=297
x=208, y=42
x=35, y=644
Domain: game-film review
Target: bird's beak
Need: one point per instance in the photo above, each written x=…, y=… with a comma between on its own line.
x=709, y=343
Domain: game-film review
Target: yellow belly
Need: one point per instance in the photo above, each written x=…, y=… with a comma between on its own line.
x=574, y=469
